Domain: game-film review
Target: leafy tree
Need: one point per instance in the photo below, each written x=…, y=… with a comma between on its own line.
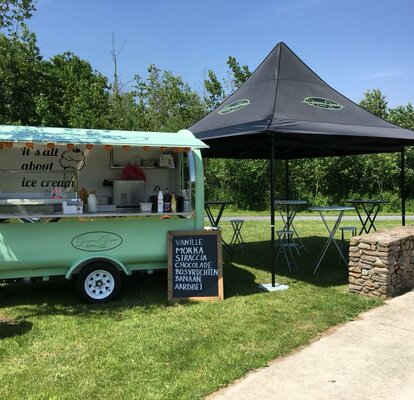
x=20, y=78
x=161, y=101
x=214, y=89
x=239, y=74
x=244, y=181
x=124, y=112
x=375, y=102
x=402, y=116
x=217, y=91
x=14, y=13
x=308, y=180
x=73, y=94
x=64, y=91
x=165, y=102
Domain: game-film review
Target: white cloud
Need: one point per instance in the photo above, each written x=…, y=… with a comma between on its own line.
x=382, y=75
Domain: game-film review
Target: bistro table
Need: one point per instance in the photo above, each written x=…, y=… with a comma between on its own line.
x=215, y=219
x=367, y=211
x=341, y=210
x=288, y=212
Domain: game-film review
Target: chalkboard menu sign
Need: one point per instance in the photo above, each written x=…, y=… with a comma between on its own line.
x=195, y=268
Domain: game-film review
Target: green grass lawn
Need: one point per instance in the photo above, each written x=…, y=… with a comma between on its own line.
x=141, y=347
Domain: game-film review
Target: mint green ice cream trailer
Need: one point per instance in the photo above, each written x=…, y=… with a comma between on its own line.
x=86, y=204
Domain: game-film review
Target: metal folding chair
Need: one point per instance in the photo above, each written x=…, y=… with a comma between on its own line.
x=284, y=246
x=237, y=237
x=344, y=246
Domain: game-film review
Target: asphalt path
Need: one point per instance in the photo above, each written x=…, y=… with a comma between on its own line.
x=316, y=217
x=368, y=358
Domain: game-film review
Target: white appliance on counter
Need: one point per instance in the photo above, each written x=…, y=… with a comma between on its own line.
x=128, y=193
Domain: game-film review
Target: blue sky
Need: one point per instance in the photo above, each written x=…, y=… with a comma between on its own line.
x=354, y=45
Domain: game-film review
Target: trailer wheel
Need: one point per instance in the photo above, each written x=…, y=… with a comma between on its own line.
x=98, y=283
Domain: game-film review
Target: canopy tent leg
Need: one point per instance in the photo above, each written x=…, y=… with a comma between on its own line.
x=287, y=179
x=402, y=178
x=272, y=212
x=274, y=285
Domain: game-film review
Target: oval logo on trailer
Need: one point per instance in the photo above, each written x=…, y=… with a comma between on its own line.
x=325, y=104
x=236, y=106
x=96, y=241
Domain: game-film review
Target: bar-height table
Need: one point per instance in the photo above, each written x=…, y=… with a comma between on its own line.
x=291, y=208
x=215, y=220
x=367, y=211
x=341, y=210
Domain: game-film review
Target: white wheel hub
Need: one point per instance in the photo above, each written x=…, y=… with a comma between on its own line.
x=99, y=284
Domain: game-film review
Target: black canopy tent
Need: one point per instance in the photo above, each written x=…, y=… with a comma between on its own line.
x=285, y=111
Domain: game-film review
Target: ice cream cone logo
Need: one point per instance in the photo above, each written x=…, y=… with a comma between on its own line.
x=72, y=159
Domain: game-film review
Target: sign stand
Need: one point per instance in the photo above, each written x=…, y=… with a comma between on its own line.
x=195, y=266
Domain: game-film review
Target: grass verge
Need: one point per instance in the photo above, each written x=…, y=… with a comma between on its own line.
x=141, y=347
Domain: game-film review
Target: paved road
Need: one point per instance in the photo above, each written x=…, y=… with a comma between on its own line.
x=369, y=358
x=316, y=217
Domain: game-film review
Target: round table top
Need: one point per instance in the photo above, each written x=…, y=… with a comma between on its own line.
x=291, y=202
x=331, y=208
x=366, y=201
x=211, y=202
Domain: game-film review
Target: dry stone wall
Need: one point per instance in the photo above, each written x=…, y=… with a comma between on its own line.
x=382, y=263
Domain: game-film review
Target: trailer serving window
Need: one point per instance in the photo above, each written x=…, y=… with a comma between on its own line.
x=46, y=179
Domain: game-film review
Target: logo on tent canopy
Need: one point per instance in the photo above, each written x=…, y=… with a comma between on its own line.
x=232, y=107
x=320, y=102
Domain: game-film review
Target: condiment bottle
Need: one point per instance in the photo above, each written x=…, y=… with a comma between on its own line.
x=173, y=203
x=160, y=202
x=167, y=201
x=186, y=201
x=92, y=203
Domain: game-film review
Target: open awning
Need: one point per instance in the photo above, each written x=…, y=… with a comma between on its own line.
x=30, y=134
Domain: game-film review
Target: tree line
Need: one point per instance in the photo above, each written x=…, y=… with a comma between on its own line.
x=65, y=91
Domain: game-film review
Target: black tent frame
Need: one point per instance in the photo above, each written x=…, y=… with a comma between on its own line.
x=273, y=198
x=284, y=104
